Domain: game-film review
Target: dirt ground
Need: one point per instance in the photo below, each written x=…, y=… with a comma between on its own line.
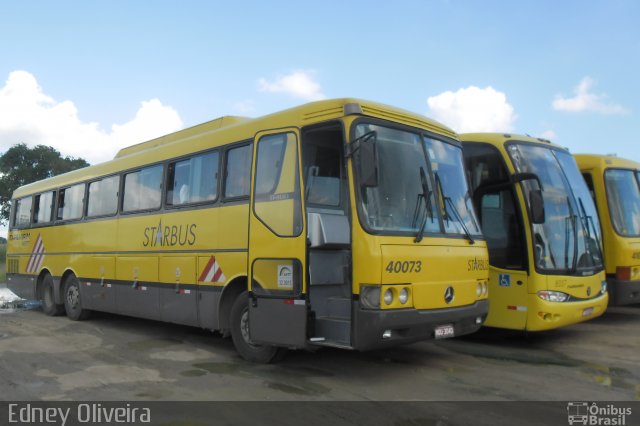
x=112, y=357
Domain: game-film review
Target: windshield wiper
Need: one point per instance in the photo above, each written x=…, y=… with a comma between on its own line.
x=572, y=219
x=589, y=221
x=454, y=209
x=426, y=195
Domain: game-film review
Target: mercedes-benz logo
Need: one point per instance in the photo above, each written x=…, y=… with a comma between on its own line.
x=449, y=295
x=588, y=291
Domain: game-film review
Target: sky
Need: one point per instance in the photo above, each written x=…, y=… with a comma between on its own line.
x=90, y=77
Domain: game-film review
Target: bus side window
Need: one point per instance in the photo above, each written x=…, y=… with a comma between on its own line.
x=193, y=180
x=43, y=207
x=23, y=212
x=501, y=228
x=142, y=189
x=70, y=202
x=238, y=176
x=103, y=197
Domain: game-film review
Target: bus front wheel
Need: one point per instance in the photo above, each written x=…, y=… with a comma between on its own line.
x=240, y=335
x=72, y=302
x=47, y=298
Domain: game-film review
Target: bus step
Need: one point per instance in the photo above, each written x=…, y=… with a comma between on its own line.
x=334, y=330
x=331, y=344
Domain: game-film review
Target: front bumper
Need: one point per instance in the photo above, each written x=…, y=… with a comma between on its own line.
x=412, y=325
x=544, y=315
x=623, y=292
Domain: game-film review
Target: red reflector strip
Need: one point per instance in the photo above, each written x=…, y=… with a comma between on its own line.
x=288, y=301
x=517, y=308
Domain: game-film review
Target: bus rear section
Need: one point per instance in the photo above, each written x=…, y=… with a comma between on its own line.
x=615, y=186
x=542, y=231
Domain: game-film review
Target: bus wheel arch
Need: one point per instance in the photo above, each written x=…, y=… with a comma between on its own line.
x=230, y=293
x=46, y=292
x=239, y=324
x=71, y=297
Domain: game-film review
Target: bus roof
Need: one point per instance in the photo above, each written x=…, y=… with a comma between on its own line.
x=602, y=162
x=230, y=129
x=499, y=139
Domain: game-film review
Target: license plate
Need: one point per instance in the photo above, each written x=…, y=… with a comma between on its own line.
x=587, y=312
x=444, y=331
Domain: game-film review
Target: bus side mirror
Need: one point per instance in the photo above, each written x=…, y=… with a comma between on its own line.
x=368, y=163
x=536, y=205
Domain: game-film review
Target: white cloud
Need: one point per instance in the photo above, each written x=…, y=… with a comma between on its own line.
x=584, y=100
x=473, y=109
x=30, y=116
x=299, y=84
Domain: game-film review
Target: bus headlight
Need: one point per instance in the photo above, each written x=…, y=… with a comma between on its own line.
x=403, y=296
x=603, y=288
x=479, y=289
x=388, y=296
x=552, y=296
x=370, y=296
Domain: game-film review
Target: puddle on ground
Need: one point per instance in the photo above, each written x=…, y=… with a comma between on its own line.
x=150, y=344
x=220, y=367
x=299, y=388
x=525, y=356
x=611, y=376
x=193, y=373
x=273, y=376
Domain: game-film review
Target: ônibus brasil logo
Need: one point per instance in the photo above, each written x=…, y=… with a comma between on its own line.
x=583, y=413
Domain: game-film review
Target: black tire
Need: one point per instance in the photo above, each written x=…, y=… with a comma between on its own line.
x=49, y=305
x=72, y=302
x=250, y=351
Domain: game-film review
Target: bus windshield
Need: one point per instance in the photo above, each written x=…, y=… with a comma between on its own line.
x=569, y=239
x=410, y=196
x=623, y=195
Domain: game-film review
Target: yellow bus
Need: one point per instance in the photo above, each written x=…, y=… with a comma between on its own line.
x=339, y=223
x=615, y=186
x=542, y=231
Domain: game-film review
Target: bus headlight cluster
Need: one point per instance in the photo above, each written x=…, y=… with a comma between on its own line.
x=482, y=288
x=388, y=296
x=603, y=288
x=552, y=296
x=404, y=295
x=392, y=293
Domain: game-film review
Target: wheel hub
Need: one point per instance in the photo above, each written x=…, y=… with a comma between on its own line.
x=244, y=328
x=73, y=296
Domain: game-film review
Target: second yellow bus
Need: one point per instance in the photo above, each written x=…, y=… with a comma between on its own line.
x=542, y=232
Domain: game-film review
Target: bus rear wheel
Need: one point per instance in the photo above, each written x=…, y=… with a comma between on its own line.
x=72, y=302
x=250, y=351
x=49, y=306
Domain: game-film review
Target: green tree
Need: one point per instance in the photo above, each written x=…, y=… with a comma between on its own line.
x=21, y=165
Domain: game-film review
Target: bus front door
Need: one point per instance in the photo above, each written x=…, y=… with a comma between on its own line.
x=277, y=242
x=508, y=278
